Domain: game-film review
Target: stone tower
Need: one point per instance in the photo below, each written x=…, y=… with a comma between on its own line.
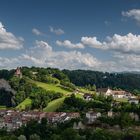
x=18, y=72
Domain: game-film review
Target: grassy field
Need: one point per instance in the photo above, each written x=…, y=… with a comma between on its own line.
x=79, y=96
x=27, y=102
x=121, y=99
x=2, y=107
x=52, y=87
x=53, y=105
x=86, y=91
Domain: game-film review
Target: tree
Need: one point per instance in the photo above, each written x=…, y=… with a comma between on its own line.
x=21, y=137
x=34, y=137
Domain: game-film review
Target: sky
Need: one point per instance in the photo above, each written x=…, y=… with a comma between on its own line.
x=102, y=35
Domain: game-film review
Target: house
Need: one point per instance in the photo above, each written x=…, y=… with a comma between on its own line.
x=114, y=93
x=110, y=113
x=88, y=96
x=134, y=116
x=78, y=125
x=34, y=72
x=105, y=91
x=118, y=93
x=102, y=91
x=134, y=100
x=91, y=116
x=11, y=120
x=54, y=117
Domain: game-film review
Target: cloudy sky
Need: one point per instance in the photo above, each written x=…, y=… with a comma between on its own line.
x=70, y=34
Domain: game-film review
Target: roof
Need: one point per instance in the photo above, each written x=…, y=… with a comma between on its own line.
x=102, y=90
x=118, y=92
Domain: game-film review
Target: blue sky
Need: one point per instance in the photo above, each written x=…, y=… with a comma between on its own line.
x=72, y=34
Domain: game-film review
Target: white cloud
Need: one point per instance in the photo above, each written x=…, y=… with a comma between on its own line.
x=126, y=44
x=9, y=40
x=43, y=55
x=70, y=45
x=134, y=14
x=8, y=62
x=91, y=41
x=36, y=31
x=56, y=31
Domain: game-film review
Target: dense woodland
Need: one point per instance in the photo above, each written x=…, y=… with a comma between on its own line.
x=127, y=81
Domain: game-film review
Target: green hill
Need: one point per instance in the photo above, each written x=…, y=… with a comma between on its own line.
x=54, y=105
x=23, y=105
x=52, y=87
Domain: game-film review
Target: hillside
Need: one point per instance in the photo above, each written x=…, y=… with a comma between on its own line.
x=46, y=88
x=52, y=87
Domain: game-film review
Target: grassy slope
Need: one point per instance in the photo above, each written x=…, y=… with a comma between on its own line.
x=2, y=107
x=52, y=87
x=53, y=105
x=24, y=104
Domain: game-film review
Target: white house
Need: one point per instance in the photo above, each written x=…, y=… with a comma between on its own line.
x=133, y=100
x=92, y=116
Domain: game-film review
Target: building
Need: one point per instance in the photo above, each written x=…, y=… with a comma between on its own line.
x=92, y=116
x=114, y=93
x=18, y=72
x=134, y=100
x=88, y=96
x=118, y=93
x=11, y=120
x=102, y=91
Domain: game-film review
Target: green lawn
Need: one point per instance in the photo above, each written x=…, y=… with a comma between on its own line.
x=52, y=87
x=2, y=107
x=79, y=96
x=26, y=103
x=86, y=90
x=53, y=105
x=121, y=99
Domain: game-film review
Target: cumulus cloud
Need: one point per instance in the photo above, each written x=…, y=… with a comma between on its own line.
x=56, y=31
x=9, y=40
x=134, y=14
x=36, y=32
x=129, y=43
x=70, y=45
x=43, y=55
x=8, y=62
x=91, y=41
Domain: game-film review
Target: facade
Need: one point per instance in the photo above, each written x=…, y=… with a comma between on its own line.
x=92, y=116
x=11, y=120
x=18, y=72
x=115, y=93
x=133, y=100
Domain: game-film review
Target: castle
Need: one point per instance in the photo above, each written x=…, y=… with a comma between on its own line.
x=18, y=72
